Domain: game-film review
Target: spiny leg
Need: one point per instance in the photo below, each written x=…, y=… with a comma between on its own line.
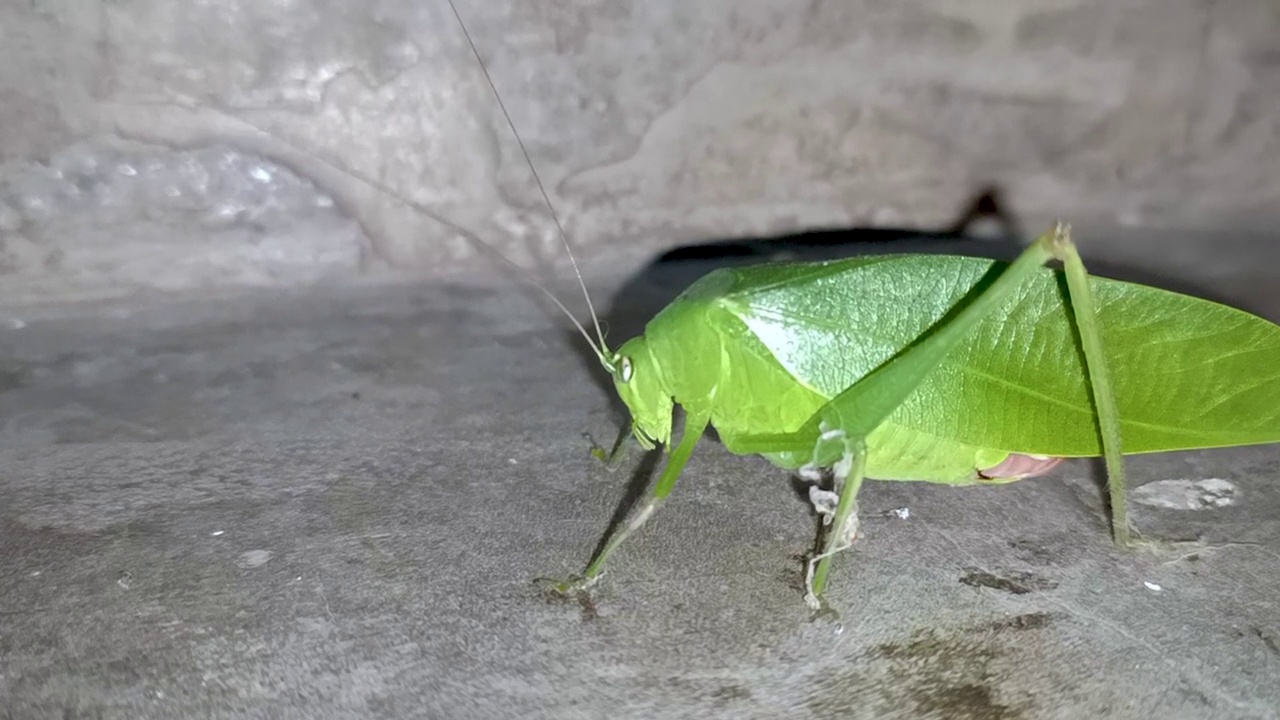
x=1104, y=401
x=842, y=525
x=693, y=430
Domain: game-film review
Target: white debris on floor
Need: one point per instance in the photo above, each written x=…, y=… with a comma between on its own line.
x=1206, y=494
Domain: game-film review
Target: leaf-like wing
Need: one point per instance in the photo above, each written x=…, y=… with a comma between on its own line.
x=1188, y=373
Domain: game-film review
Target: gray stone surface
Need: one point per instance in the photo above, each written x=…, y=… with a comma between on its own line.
x=651, y=123
x=331, y=503
x=248, y=472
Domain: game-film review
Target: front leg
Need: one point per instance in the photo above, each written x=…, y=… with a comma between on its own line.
x=694, y=428
x=613, y=457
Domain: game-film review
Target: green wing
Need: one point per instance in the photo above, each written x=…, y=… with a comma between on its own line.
x=1189, y=373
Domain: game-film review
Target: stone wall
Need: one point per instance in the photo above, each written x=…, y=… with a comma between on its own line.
x=156, y=143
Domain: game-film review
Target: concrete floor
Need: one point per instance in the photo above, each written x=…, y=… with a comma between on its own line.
x=332, y=504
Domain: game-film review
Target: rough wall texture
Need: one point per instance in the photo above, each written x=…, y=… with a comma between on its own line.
x=650, y=123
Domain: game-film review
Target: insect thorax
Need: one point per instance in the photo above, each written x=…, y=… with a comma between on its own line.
x=709, y=362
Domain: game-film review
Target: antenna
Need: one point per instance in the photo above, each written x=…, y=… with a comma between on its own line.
x=595, y=319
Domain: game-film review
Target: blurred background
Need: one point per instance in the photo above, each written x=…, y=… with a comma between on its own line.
x=152, y=144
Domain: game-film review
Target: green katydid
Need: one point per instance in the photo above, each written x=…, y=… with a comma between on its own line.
x=946, y=369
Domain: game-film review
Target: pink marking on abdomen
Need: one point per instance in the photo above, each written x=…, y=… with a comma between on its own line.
x=1018, y=466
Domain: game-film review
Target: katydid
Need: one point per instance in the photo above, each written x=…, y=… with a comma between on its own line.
x=944, y=369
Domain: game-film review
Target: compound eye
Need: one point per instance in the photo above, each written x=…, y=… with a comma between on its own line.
x=625, y=370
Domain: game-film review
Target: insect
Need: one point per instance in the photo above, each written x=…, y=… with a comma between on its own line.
x=943, y=369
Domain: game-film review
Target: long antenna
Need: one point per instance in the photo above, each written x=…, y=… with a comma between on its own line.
x=595, y=319
x=600, y=351
x=475, y=240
